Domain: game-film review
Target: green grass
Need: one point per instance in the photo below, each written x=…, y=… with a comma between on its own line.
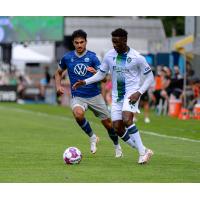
x=33, y=138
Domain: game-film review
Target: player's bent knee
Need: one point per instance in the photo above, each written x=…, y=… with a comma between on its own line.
x=78, y=114
x=127, y=121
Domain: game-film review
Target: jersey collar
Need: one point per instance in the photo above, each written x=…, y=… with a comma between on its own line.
x=83, y=54
x=128, y=49
x=125, y=53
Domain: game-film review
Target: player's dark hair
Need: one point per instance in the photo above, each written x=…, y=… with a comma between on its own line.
x=79, y=33
x=119, y=33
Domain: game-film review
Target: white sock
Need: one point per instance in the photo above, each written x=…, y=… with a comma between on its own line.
x=117, y=146
x=138, y=141
x=93, y=136
x=131, y=143
x=128, y=140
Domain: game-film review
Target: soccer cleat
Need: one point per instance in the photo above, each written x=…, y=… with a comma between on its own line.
x=118, y=151
x=93, y=144
x=143, y=159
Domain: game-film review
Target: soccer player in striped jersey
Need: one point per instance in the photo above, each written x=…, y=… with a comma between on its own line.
x=81, y=64
x=127, y=67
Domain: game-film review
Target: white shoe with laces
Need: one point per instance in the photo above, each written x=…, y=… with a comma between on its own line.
x=143, y=159
x=118, y=151
x=93, y=144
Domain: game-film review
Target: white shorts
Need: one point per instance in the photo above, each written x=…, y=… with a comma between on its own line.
x=123, y=105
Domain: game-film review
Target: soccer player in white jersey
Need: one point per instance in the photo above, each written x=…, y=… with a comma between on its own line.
x=127, y=67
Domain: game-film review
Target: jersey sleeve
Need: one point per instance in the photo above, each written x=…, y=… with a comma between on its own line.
x=62, y=64
x=144, y=66
x=96, y=62
x=104, y=67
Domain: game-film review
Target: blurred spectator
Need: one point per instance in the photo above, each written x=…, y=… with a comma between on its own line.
x=4, y=78
x=1, y=78
x=196, y=89
x=12, y=78
x=44, y=82
x=193, y=95
x=177, y=74
x=144, y=102
x=176, y=85
x=22, y=83
x=189, y=70
x=21, y=86
x=161, y=93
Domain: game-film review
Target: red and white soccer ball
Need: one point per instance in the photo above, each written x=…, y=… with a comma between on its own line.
x=72, y=155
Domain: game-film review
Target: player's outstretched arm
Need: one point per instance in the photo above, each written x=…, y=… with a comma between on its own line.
x=95, y=78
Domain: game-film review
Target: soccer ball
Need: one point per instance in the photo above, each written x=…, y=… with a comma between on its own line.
x=72, y=155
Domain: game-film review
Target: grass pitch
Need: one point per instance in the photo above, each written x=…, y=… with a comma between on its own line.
x=34, y=137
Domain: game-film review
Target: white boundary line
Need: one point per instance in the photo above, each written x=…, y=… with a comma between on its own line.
x=167, y=136
x=70, y=119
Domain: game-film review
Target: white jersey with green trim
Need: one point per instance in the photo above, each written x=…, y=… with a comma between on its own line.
x=127, y=70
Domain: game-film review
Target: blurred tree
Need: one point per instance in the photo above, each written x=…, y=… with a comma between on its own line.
x=173, y=25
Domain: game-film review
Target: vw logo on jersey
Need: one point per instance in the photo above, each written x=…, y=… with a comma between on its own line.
x=86, y=59
x=80, y=69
